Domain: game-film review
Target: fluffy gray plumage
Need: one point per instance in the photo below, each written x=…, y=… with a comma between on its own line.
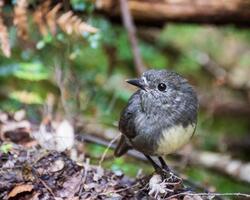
x=150, y=111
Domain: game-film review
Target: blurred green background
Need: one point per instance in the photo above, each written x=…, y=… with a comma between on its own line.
x=87, y=72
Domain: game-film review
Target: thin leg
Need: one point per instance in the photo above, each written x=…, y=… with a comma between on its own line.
x=155, y=165
x=163, y=164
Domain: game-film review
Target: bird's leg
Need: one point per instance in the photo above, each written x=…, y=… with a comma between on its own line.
x=168, y=172
x=157, y=168
x=163, y=164
x=163, y=172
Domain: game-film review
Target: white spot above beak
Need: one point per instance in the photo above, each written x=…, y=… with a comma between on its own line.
x=145, y=80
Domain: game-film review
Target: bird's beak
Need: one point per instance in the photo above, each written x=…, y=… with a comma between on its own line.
x=137, y=82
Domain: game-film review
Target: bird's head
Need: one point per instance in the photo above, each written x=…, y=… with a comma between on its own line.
x=161, y=83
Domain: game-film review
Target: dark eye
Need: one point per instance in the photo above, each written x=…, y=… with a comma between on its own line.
x=162, y=87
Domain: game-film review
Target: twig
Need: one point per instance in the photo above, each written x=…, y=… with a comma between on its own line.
x=128, y=23
x=121, y=190
x=106, y=150
x=222, y=163
x=34, y=172
x=211, y=66
x=135, y=154
x=209, y=194
x=47, y=187
x=157, y=13
x=60, y=81
x=84, y=176
x=97, y=140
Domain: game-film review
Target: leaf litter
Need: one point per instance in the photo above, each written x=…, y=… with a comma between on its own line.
x=30, y=172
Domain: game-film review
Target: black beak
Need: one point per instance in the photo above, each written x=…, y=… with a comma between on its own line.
x=137, y=82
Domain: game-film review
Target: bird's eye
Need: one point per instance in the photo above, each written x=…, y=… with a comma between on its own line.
x=162, y=87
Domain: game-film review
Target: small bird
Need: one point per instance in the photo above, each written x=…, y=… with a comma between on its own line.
x=160, y=116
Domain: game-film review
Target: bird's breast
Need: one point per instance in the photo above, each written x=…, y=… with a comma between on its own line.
x=174, y=138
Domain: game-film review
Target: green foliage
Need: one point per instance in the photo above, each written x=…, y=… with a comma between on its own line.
x=153, y=57
x=95, y=66
x=28, y=71
x=5, y=148
x=82, y=5
x=220, y=182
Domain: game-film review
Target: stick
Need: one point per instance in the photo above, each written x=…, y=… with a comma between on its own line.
x=97, y=140
x=128, y=23
x=106, y=150
x=209, y=194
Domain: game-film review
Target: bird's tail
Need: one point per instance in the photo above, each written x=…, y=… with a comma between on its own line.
x=122, y=147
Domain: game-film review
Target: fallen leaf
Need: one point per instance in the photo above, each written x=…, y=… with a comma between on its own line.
x=19, y=115
x=19, y=189
x=58, y=165
x=70, y=186
x=99, y=173
x=64, y=136
x=55, y=136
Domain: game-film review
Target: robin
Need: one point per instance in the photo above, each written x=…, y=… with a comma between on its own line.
x=160, y=116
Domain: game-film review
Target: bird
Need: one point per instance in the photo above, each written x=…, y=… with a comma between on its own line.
x=160, y=117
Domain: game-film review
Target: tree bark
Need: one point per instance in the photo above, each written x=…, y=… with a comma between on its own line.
x=197, y=11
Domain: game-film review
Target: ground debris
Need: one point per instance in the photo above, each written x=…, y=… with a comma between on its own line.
x=13, y=127
x=52, y=175
x=29, y=172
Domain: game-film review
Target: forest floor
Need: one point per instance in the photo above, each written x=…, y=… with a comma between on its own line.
x=30, y=172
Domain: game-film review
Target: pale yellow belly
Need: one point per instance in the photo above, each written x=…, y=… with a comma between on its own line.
x=174, y=138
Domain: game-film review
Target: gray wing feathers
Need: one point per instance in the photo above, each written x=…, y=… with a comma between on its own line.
x=127, y=124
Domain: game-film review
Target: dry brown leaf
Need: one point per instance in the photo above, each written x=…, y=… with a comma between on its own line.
x=84, y=27
x=4, y=36
x=39, y=17
x=71, y=23
x=17, y=132
x=71, y=186
x=4, y=39
x=21, y=19
x=64, y=22
x=51, y=18
x=19, y=189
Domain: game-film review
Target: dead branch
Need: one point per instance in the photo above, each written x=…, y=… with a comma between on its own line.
x=221, y=75
x=209, y=195
x=128, y=23
x=220, y=107
x=222, y=163
x=100, y=141
x=201, y=11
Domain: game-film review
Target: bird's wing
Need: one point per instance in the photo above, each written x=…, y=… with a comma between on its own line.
x=128, y=115
x=127, y=124
x=122, y=147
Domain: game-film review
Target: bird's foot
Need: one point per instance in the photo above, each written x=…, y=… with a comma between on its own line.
x=162, y=172
x=161, y=184
x=169, y=176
